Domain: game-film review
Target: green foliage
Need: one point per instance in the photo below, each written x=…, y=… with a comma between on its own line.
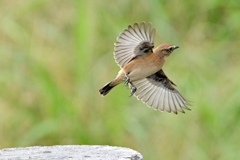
x=55, y=55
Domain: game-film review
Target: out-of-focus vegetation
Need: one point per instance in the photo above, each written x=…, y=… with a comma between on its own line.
x=55, y=55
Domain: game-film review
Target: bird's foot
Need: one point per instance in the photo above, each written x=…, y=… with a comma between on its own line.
x=133, y=89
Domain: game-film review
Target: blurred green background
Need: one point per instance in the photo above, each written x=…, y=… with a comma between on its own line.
x=55, y=55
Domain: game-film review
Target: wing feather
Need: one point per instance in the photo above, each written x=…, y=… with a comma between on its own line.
x=148, y=94
x=129, y=39
x=151, y=98
x=177, y=104
x=148, y=32
x=160, y=99
x=156, y=101
x=143, y=31
x=138, y=31
x=170, y=101
x=158, y=92
x=134, y=34
x=163, y=99
x=145, y=92
x=166, y=102
x=131, y=36
x=173, y=104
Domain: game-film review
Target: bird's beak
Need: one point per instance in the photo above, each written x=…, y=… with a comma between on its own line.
x=176, y=47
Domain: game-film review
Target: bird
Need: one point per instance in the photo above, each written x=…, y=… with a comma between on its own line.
x=141, y=69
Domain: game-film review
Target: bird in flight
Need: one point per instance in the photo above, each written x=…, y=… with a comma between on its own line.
x=141, y=69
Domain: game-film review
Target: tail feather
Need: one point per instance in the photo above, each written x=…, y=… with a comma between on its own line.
x=107, y=88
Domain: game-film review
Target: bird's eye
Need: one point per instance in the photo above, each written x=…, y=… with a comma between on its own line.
x=166, y=51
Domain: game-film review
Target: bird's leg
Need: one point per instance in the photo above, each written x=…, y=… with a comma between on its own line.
x=127, y=80
x=132, y=87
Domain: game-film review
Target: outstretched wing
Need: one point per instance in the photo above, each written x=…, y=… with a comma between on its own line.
x=158, y=92
x=129, y=39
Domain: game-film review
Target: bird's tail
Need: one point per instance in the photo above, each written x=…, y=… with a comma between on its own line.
x=107, y=88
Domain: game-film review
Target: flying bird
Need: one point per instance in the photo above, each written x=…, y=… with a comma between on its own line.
x=141, y=69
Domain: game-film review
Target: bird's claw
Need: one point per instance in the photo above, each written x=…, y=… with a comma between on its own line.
x=132, y=87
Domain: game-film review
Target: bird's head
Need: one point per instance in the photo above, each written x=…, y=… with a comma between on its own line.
x=165, y=49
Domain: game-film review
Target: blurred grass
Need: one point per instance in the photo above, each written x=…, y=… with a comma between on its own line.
x=55, y=55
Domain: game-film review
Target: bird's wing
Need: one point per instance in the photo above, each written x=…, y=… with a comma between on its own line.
x=158, y=92
x=129, y=39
